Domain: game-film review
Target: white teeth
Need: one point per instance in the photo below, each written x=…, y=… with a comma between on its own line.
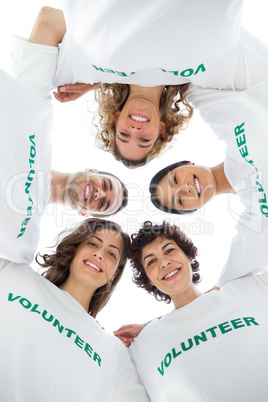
x=138, y=118
x=93, y=266
x=87, y=191
x=171, y=274
x=197, y=186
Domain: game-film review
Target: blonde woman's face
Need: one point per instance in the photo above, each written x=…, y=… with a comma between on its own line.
x=138, y=126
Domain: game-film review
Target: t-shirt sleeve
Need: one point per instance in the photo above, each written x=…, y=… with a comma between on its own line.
x=34, y=65
x=127, y=386
x=25, y=157
x=248, y=252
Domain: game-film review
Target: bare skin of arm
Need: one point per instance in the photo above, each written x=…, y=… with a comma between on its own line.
x=49, y=29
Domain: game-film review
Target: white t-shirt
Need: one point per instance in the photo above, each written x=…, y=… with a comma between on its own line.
x=52, y=350
x=213, y=349
x=153, y=43
x=240, y=119
x=25, y=155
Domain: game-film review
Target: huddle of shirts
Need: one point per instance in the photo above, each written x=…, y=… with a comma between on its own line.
x=221, y=336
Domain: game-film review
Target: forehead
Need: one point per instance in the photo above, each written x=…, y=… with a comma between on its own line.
x=156, y=245
x=108, y=236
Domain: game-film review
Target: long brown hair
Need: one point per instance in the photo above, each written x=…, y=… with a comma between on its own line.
x=112, y=97
x=58, y=263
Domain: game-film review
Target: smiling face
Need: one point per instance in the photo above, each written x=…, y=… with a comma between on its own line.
x=187, y=187
x=100, y=194
x=96, y=260
x=138, y=126
x=169, y=270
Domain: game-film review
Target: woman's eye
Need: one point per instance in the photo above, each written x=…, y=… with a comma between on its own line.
x=175, y=179
x=169, y=250
x=180, y=201
x=124, y=134
x=144, y=140
x=91, y=243
x=104, y=185
x=112, y=254
x=151, y=262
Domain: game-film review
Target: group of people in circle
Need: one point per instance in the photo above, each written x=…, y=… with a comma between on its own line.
x=147, y=82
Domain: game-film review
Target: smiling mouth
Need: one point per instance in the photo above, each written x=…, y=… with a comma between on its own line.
x=171, y=274
x=95, y=267
x=197, y=186
x=88, y=193
x=140, y=118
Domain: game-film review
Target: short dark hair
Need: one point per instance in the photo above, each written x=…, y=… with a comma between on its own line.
x=154, y=184
x=146, y=235
x=125, y=196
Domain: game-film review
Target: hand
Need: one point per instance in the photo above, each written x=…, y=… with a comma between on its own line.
x=127, y=333
x=69, y=93
x=214, y=288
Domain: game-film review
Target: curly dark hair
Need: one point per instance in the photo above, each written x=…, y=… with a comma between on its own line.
x=146, y=235
x=58, y=263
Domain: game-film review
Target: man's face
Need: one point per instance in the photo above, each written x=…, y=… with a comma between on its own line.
x=93, y=192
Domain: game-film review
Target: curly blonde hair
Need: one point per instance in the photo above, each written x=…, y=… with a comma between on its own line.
x=112, y=97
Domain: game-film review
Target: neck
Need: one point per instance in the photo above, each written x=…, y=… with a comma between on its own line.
x=222, y=184
x=58, y=181
x=81, y=294
x=152, y=93
x=182, y=299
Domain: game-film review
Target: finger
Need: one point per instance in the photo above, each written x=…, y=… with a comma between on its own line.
x=70, y=88
x=59, y=98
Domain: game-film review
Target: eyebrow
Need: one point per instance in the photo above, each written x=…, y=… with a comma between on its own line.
x=169, y=179
x=107, y=206
x=162, y=248
x=144, y=146
x=111, y=184
x=109, y=245
x=120, y=139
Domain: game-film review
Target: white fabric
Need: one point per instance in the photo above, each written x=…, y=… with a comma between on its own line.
x=52, y=350
x=241, y=120
x=34, y=65
x=153, y=42
x=225, y=333
x=25, y=155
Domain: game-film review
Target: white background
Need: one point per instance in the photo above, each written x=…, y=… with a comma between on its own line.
x=211, y=229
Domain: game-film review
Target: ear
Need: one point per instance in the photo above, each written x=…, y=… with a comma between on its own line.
x=114, y=275
x=116, y=116
x=91, y=170
x=163, y=129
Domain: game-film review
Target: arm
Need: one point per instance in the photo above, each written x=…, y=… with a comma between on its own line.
x=49, y=27
x=69, y=93
x=127, y=333
x=34, y=61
